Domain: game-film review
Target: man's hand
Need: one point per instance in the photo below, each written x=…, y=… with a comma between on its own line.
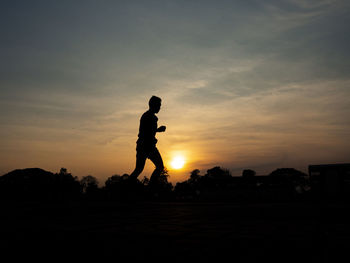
x=161, y=129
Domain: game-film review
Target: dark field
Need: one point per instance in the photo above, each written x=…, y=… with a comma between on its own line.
x=169, y=231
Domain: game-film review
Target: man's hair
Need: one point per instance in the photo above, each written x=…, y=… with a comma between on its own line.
x=154, y=100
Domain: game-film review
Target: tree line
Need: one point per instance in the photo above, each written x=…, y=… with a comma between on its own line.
x=34, y=184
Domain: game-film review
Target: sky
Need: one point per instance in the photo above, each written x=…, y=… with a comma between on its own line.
x=244, y=84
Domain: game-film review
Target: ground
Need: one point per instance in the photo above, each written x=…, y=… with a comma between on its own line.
x=179, y=232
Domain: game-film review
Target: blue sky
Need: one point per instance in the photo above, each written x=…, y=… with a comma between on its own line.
x=245, y=84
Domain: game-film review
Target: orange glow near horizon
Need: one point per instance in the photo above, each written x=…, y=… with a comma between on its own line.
x=178, y=162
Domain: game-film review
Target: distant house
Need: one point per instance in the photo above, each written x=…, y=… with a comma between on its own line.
x=329, y=181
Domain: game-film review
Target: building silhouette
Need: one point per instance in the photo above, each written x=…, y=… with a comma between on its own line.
x=330, y=181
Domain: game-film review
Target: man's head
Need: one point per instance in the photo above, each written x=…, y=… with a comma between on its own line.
x=154, y=104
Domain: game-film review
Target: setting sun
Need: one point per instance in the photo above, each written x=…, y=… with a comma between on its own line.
x=178, y=162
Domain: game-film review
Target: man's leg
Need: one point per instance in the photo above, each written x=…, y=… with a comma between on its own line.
x=156, y=158
x=140, y=164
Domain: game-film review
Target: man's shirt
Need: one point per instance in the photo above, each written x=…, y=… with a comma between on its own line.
x=148, y=129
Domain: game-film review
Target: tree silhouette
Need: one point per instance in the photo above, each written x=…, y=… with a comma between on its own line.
x=112, y=180
x=218, y=173
x=216, y=184
x=113, y=186
x=159, y=187
x=195, y=176
x=248, y=173
x=89, y=184
x=63, y=171
x=189, y=189
x=39, y=185
x=68, y=186
x=123, y=188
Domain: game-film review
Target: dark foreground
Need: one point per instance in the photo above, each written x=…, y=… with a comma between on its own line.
x=178, y=232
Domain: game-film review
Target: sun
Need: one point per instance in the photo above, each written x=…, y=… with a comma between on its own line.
x=178, y=162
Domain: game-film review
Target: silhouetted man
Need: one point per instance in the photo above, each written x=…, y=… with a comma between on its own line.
x=146, y=143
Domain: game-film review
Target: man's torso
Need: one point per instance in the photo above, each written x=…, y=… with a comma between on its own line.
x=147, y=130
